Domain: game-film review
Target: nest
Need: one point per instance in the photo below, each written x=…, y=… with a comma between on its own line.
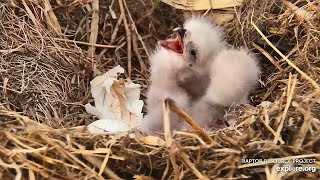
x=50, y=52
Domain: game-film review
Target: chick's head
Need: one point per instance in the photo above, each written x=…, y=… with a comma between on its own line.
x=201, y=39
x=164, y=65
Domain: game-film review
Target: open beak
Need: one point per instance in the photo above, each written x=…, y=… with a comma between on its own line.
x=175, y=45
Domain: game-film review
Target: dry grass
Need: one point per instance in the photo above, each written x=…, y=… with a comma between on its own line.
x=47, y=80
x=49, y=57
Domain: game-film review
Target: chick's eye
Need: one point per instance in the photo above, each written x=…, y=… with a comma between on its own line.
x=193, y=54
x=192, y=51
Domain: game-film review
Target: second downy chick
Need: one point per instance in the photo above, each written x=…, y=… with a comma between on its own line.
x=233, y=74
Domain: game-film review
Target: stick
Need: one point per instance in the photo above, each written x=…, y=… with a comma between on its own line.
x=268, y=56
x=52, y=19
x=94, y=28
x=31, y=15
x=290, y=90
x=136, y=51
x=85, y=43
x=136, y=30
x=173, y=107
x=166, y=124
x=128, y=33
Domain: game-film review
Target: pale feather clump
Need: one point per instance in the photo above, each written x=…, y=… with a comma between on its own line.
x=203, y=36
x=165, y=65
x=205, y=80
x=194, y=81
x=232, y=73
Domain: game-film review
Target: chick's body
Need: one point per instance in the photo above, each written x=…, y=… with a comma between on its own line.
x=205, y=80
x=165, y=65
x=194, y=81
x=232, y=74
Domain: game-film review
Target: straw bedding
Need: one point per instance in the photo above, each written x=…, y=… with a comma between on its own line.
x=45, y=82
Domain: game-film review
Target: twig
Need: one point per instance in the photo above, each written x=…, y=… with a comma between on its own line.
x=136, y=51
x=207, y=11
x=266, y=123
x=267, y=55
x=116, y=28
x=173, y=107
x=165, y=172
x=193, y=135
x=185, y=158
x=31, y=15
x=173, y=151
x=85, y=43
x=136, y=30
x=52, y=20
x=301, y=13
x=168, y=138
x=166, y=123
x=31, y=174
x=25, y=119
x=128, y=34
x=286, y=59
x=103, y=165
x=175, y=148
x=94, y=28
x=69, y=156
x=300, y=137
x=12, y=50
x=290, y=90
x=113, y=35
x=96, y=162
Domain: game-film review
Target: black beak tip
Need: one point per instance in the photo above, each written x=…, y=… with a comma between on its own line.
x=181, y=32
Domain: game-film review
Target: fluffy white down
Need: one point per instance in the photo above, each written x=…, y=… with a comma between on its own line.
x=207, y=36
x=164, y=67
x=234, y=74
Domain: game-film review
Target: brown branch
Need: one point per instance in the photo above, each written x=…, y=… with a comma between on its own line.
x=174, y=107
x=136, y=51
x=94, y=27
x=128, y=34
